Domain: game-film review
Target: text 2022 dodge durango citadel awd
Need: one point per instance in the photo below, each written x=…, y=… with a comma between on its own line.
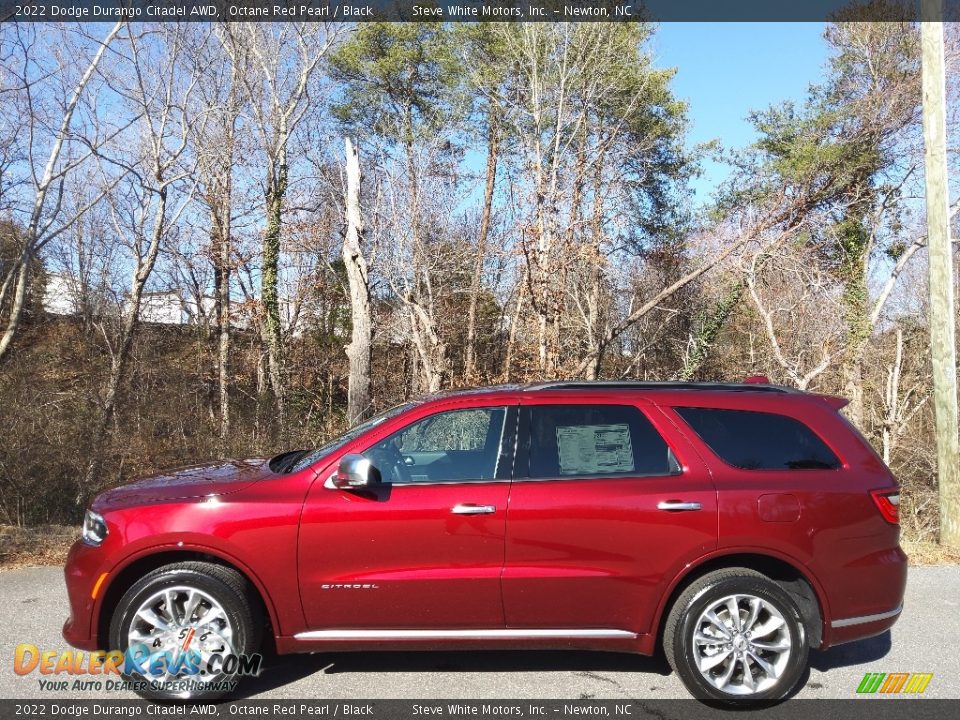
x=736, y=525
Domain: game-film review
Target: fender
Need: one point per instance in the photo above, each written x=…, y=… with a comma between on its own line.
x=793, y=562
x=191, y=547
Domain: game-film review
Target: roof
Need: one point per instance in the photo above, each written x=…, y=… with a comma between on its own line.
x=656, y=385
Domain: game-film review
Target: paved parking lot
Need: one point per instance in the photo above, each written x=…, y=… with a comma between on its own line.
x=926, y=639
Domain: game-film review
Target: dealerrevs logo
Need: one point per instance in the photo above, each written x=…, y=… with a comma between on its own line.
x=181, y=670
x=894, y=683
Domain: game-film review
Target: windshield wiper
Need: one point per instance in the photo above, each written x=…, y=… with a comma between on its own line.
x=282, y=463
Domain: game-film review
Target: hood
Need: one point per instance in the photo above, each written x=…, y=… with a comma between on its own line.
x=218, y=478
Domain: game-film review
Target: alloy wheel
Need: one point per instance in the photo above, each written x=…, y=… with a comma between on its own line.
x=742, y=644
x=182, y=619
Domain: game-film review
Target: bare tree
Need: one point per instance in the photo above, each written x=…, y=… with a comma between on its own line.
x=215, y=139
x=157, y=87
x=83, y=261
x=279, y=75
x=595, y=127
x=898, y=405
x=48, y=157
x=769, y=229
x=796, y=297
x=493, y=157
x=553, y=63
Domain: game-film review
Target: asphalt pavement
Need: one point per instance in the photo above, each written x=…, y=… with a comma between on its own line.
x=33, y=606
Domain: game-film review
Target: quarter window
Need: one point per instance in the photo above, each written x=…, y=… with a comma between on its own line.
x=595, y=441
x=759, y=440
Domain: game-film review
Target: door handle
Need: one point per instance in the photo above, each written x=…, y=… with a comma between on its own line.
x=677, y=505
x=470, y=509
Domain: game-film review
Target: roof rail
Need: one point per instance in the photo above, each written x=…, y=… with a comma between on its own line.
x=655, y=385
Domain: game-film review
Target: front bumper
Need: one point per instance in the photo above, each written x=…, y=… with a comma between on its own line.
x=83, y=572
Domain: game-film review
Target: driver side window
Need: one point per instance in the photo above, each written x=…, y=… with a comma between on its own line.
x=452, y=446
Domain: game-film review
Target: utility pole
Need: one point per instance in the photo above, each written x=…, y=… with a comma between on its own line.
x=943, y=351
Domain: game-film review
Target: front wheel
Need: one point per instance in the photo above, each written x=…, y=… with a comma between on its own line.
x=736, y=635
x=177, y=627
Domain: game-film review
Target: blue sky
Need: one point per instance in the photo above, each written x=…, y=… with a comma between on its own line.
x=725, y=70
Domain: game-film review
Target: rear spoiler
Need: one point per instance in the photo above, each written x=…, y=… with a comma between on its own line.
x=834, y=401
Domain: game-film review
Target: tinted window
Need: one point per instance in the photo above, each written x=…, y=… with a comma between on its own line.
x=594, y=440
x=759, y=440
x=446, y=447
x=309, y=458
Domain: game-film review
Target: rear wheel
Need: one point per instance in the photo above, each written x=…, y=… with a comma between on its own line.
x=736, y=635
x=179, y=623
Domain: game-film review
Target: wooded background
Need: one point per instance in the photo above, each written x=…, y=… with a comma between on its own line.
x=357, y=215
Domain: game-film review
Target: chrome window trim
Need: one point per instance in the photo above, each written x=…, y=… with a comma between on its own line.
x=427, y=483
x=562, y=478
x=595, y=478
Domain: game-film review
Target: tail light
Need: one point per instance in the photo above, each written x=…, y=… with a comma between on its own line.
x=888, y=503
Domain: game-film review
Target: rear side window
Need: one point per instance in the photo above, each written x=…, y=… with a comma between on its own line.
x=595, y=441
x=759, y=440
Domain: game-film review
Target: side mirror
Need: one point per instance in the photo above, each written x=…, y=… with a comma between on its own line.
x=354, y=472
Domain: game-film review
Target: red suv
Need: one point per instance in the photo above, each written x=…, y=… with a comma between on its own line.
x=736, y=525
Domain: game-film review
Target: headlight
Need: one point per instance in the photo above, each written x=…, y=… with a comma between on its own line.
x=94, y=528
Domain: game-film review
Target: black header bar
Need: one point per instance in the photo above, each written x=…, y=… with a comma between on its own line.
x=466, y=10
x=626, y=709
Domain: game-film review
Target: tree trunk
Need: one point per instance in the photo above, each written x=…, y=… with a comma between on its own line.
x=594, y=314
x=434, y=362
x=273, y=335
x=223, y=315
x=514, y=323
x=224, y=259
x=493, y=150
x=542, y=339
x=361, y=334
x=856, y=315
x=16, y=307
x=9, y=274
x=540, y=269
x=710, y=331
x=890, y=427
x=432, y=351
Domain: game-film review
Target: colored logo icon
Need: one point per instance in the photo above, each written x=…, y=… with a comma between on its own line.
x=894, y=683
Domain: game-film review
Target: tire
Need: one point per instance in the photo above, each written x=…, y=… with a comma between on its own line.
x=219, y=592
x=775, y=652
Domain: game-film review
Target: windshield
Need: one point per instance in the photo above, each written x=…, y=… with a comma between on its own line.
x=356, y=431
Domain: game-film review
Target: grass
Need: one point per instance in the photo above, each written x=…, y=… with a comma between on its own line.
x=930, y=553
x=41, y=545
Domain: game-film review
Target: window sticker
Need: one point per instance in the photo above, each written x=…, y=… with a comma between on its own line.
x=588, y=449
